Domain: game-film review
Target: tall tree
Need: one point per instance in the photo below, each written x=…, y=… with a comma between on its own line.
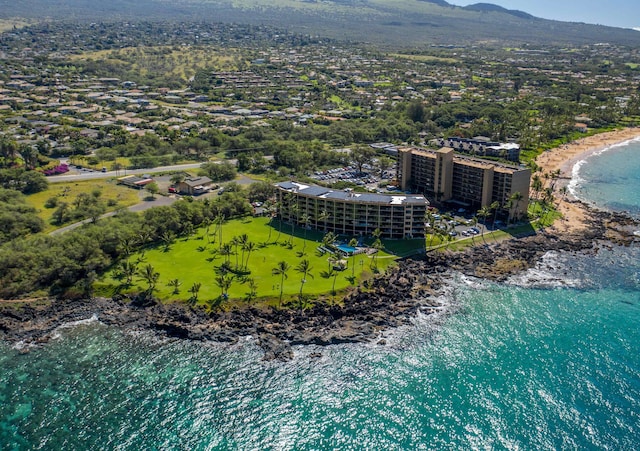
x=304, y=268
x=362, y=155
x=149, y=275
x=281, y=269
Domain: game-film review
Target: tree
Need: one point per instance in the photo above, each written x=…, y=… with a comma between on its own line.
x=281, y=269
x=152, y=188
x=175, y=284
x=219, y=172
x=149, y=275
x=331, y=272
x=515, y=199
x=127, y=270
x=248, y=247
x=177, y=178
x=384, y=163
x=322, y=217
x=168, y=238
x=353, y=243
x=495, y=206
x=378, y=246
x=304, y=268
x=223, y=282
x=484, y=213
x=361, y=155
x=305, y=220
x=219, y=220
x=194, y=290
x=253, y=290
x=225, y=250
x=329, y=239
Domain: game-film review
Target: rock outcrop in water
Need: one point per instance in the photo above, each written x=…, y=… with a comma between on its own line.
x=389, y=300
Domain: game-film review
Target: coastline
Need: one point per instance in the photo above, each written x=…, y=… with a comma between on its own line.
x=390, y=300
x=575, y=213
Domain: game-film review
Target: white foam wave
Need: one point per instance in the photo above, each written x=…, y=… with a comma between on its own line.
x=548, y=273
x=56, y=332
x=577, y=180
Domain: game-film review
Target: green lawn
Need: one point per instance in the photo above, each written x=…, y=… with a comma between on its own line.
x=192, y=260
x=119, y=195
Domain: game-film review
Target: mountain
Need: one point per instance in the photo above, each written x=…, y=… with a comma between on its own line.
x=489, y=7
x=396, y=23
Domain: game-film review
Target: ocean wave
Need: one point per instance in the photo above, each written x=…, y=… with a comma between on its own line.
x=577, y=180
x=550, y=272
x=73, y=324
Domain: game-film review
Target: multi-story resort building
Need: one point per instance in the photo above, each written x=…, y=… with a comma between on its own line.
x=350, y=213
x=481, y=146
x=465, y=181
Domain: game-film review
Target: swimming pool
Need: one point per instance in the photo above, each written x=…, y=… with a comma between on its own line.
x=346, y=249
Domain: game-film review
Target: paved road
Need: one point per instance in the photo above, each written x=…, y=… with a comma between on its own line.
x=74, y=174
x=143, y=205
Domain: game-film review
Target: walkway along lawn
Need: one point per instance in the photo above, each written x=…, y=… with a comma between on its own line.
x=193, y=260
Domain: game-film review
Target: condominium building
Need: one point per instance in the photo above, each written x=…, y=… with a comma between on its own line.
x=470, y=182
x=480, y=146
x=350, y=213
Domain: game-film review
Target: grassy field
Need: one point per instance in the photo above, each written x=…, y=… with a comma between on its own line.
x=424, y=58
x=10, y=24
x=194, y=260
x=68, y=191
x=182, y=62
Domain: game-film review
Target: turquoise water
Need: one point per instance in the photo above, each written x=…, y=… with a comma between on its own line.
x=610, y=179
x=346, y=249
x=550, y=360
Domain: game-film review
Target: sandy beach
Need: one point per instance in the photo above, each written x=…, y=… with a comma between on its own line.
x=564, y=158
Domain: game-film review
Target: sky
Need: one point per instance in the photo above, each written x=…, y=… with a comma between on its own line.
x=616, y=13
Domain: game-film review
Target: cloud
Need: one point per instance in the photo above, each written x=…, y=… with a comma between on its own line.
x=636, y=28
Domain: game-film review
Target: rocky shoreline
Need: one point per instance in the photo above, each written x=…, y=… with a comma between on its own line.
x=388, y=301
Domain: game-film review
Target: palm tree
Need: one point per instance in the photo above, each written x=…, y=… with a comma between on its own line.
x=242, y=242
x=206, y=222
x=474, y=223
x=149, y=275
x=377, y=245
x=495, y=206
x=126, y=246
x=248, y=247
x=304, y=268
x=293, y=212
x=225, y=250
x=223, y=282
x=329, y=239
x=515, y=198
x=484, y=213
x=353, y=243
x=128, y=269
x=281, y=269
x=194, y=290
x=322, y=217
x=219, y=220
x=305, y=220
x=234, y=242
x=271, y=208
x=175, y=284
x=167, y=238
x=331, y=272
x=536, y=185
x=253, y=291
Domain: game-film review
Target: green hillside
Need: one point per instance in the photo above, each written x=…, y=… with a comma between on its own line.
x=405, y=23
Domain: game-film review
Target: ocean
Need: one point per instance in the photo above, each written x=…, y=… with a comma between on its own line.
x=549, y=360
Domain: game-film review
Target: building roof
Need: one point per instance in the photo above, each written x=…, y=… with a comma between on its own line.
x=197, y=181
x=348, y=195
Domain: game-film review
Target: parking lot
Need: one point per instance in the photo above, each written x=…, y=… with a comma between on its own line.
x=369, y=177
